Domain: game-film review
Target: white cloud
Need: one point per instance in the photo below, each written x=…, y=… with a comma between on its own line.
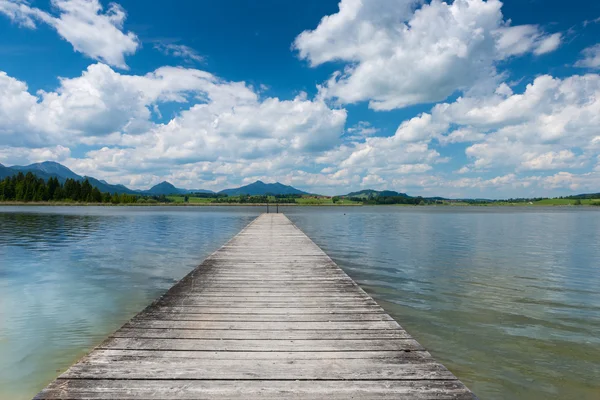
x=590, y=57
x=385, y=157
x=522, y=39
x=20, y=12
x=586, y=182
x=551, y=160
x=101, y=101
x=15, y=103
x=24, y=155
x=461, y=135
x=360, y=131
x=179, y=50
x=396, y=57
x=542, y=128
x=228, y=125
x=553, y=125
x=84, y=24
x=222, y=133
x=548, y=44
x=418, y=129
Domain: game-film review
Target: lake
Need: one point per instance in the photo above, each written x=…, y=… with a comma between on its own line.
x=507, y=298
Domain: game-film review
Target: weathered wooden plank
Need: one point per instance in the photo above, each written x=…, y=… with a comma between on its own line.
x=274, y=282
x=250, y=307
x=260, y=345
x=316, y=369
x=277, y=296
x=268, y=316
x=274, y=275
x=324, y=284
x=290, y=280
x=333, y=334
x=269, y=310
x=257, y=355
x=179, y=314
x=277, y=302
x=203, y=302
x=274, y=294
x=255, y=389
x=271, y=325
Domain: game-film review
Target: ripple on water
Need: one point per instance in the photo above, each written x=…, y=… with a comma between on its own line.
x=70, y=276
x=507, y=298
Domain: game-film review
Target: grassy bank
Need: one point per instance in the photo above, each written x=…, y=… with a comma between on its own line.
x=175, y=201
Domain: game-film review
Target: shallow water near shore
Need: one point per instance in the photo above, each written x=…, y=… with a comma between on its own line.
x=508, y=299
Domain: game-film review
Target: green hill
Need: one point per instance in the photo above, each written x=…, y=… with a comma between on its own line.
x=370, y=193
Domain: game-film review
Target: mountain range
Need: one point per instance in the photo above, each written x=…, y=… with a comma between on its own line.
x=51, y=169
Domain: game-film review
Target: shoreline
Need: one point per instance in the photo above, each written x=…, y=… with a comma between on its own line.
x=73, y=204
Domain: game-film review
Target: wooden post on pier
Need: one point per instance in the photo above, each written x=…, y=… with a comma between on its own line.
x=268, y=316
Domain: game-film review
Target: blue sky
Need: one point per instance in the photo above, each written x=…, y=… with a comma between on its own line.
x=465, y=98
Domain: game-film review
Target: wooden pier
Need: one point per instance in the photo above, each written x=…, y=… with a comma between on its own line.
x=267, y=316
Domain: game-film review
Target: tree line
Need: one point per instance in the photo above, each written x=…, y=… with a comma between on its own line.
x=372, y=200
x=257, y=199
x=28, y=187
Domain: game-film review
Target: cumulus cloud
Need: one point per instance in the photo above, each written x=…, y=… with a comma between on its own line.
x=11, y=155
x=551, y=126
x=396, y=53
x=92, y=31
x=15, y=104
x=550, y=160
x=102, y=101
x=383, y=157
x=222, y=124
x=399, y=54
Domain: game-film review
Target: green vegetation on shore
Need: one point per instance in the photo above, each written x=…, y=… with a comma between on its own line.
x=25, y=188
x=30, y=189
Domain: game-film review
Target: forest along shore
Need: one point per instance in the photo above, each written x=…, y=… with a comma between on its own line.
x=26, y=189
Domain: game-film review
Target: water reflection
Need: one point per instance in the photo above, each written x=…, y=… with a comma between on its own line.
x=507, y=298
x=70, y=276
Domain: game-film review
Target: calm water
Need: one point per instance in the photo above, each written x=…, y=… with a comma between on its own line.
x=507, y=298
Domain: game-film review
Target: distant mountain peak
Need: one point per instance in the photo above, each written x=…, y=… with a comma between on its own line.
x=165, y=188
x=376, y=193
x=164, y=184
x=50, y=168
x=260, y=188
